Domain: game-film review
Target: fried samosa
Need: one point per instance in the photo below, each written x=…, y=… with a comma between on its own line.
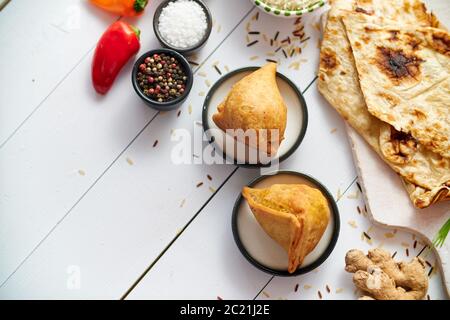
x=255, y=103
x=294, y=215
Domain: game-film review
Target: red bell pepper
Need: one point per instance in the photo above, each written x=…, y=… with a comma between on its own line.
x=117, y=45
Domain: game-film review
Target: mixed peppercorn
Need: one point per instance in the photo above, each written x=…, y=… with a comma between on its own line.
x=161, y=77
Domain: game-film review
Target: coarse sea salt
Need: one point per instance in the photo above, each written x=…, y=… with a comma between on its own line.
x=182, y=23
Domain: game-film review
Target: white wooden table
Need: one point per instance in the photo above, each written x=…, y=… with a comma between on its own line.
x=90, y=208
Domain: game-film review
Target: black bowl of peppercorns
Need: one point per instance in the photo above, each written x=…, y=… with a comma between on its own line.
x=162, y=78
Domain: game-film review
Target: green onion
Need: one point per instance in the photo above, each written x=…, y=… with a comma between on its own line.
x=439, y=239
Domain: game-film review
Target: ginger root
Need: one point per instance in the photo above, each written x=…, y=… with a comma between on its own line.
x=381, y=278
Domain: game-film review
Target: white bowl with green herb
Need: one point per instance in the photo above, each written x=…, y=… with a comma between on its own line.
x=288, y=8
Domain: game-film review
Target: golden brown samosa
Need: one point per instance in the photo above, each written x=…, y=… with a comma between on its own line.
x=255, y=102
x=294, y=215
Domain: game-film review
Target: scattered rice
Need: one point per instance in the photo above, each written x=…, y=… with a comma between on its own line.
x=352, y=223
x=130, y=162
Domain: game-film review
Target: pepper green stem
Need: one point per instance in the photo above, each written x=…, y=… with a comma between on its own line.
x=139, y=5
x=136, y=31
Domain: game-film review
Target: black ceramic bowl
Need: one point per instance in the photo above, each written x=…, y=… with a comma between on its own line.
x=172, y=104
x=297, y=117
x=243, y=218
x=185, y=51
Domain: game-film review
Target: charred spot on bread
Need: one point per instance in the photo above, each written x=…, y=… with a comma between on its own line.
x=434, y=21
x=394, y=35
x=364, y=11
x=403, y=145
x=414, y=43
x=419, y=114
x=401, y=136
x=392, y=100
x=398, y=65
x=328, y=60
x=441, y=42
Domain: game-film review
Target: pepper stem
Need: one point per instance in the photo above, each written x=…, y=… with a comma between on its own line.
x=136, y=31
x=139, y=5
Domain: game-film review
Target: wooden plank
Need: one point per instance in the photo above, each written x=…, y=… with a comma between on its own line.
x=204, y=263
x=62, y=151
x=41, y=43
x=332, y=273
x=140, y=215
x=215, y=267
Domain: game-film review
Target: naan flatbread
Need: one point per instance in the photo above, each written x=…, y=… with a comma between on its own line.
x=426, y=175
x=404, y=74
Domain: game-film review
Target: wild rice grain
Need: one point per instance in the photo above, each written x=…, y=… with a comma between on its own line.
x=252, y=43
x=304, y=40
x=217, y=69
x=276, y=36
x=359, y=186
x=420, y=252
